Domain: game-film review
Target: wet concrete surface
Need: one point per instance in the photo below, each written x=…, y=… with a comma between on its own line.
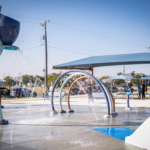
x=33, y=127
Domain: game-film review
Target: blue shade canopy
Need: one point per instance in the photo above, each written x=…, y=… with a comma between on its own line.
x=120, y=77
x=108, y=60
x=145, y=78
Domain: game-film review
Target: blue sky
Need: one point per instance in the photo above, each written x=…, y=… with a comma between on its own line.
x=77, y=29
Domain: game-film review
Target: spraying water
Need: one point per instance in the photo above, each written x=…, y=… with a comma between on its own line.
x=80, y=84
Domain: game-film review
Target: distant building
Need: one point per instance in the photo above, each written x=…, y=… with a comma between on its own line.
x=132, y=74
x=17, y=81
x=52, y=74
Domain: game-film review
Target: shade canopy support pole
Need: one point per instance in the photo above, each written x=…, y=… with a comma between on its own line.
x=91, y=70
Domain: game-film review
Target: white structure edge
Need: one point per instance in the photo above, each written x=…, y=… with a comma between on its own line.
x=141, y=137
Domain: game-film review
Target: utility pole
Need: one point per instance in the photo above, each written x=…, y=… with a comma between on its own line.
x=123, y=70
x=46, y=69
x=20, y=79
x=0, y=9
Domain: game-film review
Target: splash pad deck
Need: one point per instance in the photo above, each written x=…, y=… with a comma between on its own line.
x=32, y=126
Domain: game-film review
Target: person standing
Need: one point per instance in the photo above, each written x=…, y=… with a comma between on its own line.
x=143, y=90
x=139, y=89
x=89, y=90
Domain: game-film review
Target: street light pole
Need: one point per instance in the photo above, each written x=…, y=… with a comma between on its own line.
x=46, y=69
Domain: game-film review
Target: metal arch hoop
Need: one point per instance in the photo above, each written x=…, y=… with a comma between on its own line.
x=62, y=86
x=68, y=97
x=109, y=97
x=113, y=102
x=52, y=103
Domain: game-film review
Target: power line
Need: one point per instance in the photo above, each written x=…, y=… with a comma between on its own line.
x=66, y=49
x=73, y=51
x=105, y=37
x=69, y=50
x=102, y=38
x=90, y=32
x=30, y=48
x=24, y=49
x=29, y=21
x=21, y=71
x=59, y=49
x=24, y=16
x=80, y=48
x=138, y=67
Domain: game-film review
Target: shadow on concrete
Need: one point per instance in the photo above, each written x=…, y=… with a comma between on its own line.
x=7, y=146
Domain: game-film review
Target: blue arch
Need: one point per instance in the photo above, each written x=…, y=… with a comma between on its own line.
x=52, y=103
x=109, y=98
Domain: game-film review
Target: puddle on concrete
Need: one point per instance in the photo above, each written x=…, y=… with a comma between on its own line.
x=116, y=132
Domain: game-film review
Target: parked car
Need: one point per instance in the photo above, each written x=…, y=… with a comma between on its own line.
x=114, y=89
x=97, y=91
x=22, y=92
x=75, y=91
x=5, y=93
x=125, y=89
x=85, y=90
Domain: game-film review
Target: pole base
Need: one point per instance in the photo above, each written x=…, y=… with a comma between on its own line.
x=70, y=111
x=3, y=122
x=54, y=112
x=115, y=114
x=108, y=116
x=2, y=106
x=62, y=111
x=128, y=108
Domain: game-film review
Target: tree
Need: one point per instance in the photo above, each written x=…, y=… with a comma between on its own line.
x=53, y=78
x=27, y=78
x=136, y=81
x=41, y=78
x=118, y=74
x=9, y=81
x=119, y=81
x=104, y=77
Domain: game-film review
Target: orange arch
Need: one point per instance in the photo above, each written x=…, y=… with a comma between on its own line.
x=68, y=97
